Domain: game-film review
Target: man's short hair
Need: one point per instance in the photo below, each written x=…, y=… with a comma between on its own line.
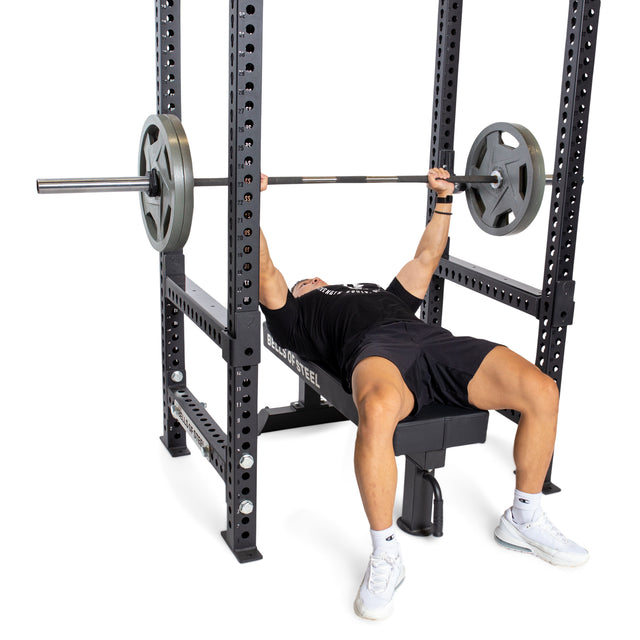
x=297, y=283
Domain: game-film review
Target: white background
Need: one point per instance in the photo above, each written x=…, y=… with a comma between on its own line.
x=103, y=534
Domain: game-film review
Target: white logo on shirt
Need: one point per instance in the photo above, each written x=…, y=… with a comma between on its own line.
x=337, y=290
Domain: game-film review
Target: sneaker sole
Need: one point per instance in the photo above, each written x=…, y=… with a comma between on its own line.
x=507, y=536
x=380, y=614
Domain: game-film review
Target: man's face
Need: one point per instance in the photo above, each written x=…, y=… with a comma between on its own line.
x=304, y=286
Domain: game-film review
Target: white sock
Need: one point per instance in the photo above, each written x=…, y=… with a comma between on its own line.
x=385, y=541
x=526, y=506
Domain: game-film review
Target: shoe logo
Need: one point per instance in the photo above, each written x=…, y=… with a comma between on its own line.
x=523, y=500
x=390, y=538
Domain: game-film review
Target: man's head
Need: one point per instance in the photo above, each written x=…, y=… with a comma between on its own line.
x=304, y=286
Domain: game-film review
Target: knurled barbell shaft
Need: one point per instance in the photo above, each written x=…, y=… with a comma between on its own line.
x=373, y=179
x=142, y=183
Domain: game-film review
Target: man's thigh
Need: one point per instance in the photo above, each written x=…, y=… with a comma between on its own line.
x=378, y=382
x=504, y=380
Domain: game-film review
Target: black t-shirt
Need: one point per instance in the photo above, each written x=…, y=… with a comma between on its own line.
x=328, y=324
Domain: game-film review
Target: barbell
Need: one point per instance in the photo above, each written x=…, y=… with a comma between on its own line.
x=504, y=183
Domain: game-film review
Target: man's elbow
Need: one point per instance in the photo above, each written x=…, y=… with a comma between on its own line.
x=428, y=261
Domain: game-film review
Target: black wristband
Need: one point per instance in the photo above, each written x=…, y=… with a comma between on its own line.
x=445, y=200
x=443, y=213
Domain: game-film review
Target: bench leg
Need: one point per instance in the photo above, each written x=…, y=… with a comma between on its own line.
x=422, y=497
x=309, y=410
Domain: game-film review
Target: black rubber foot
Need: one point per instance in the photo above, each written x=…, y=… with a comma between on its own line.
x=250, y=554
x=176, y=452
x=549, y=488
x=404, y=526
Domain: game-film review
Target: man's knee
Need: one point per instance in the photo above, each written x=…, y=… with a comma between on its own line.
x=380, y=405
x=541, y=393
x=380, y=394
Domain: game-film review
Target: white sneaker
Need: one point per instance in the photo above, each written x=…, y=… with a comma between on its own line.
x=541, y=538
x=383, y=576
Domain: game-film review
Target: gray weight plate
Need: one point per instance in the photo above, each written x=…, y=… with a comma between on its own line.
x=165, y=149
x=510, y=206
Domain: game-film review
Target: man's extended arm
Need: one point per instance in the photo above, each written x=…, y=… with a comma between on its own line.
x=273, y=287
x=415, y=276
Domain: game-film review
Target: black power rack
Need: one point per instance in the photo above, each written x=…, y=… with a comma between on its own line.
x=236, y=329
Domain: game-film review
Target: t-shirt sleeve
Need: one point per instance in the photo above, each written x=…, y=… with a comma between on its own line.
x=400, y=292
x=282, y=322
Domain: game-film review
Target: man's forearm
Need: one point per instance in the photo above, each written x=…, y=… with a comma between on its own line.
x=434, y=239
x=266, y=264
x=416, y=275
x=273, y=288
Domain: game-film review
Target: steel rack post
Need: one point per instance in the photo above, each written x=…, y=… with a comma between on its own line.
x=168, y=100
x=553, y=305
x=445, y=88
x=557, y=304
x=245, y=108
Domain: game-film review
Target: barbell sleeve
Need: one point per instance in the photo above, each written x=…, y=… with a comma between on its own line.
x=90, y=185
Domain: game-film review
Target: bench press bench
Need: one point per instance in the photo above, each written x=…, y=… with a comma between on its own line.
x=423, y=439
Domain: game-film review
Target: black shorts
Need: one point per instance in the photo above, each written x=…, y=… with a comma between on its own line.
x=435, y=365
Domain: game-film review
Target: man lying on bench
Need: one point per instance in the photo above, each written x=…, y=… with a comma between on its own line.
x=393, y=364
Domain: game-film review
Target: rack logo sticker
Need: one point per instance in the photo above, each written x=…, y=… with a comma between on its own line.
x=292, y=360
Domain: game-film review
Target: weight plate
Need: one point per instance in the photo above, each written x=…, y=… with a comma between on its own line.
x=164, y=149
x=511, y=205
